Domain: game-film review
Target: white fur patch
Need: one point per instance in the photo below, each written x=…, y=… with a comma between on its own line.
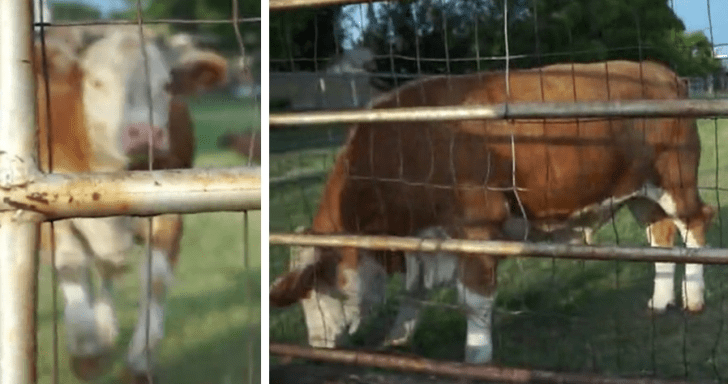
x=479, y=341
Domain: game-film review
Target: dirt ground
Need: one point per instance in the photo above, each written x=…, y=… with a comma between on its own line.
x=314, y=373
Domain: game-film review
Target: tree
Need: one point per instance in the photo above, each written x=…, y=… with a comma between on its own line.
x=74, y=12
x=306, y=34
x=203, y=10
x=540, y=32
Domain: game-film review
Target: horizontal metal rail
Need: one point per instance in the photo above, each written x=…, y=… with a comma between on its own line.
x=84, y=23
x=276, y=5
x=446, y=368
x=58, y=196
x=604, y=109
x=507, y=248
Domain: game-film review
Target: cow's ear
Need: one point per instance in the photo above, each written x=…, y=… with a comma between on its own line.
x=60, y=59
x=198, y=72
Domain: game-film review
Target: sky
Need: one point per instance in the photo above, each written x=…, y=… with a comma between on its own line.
x=694, y=14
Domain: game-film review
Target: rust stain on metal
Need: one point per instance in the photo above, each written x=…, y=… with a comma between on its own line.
x=447, y=368
x=19, y=205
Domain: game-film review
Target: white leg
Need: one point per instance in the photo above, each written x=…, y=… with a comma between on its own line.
x=72, y=263
x=405, y=325
x=325, y=319
x=479, y=342
x=693, y=286
x=664, y=293
x=139, y=350
x=352, y=302
x=409, y=309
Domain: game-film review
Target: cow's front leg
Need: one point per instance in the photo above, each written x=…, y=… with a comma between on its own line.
x=662, y=234
x=693, y=286
x=156, y=275
x=91, y=327
x=408, y=315
x=423, y=272
x=476, y=290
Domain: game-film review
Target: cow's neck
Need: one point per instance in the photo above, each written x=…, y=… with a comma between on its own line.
x=328, y=217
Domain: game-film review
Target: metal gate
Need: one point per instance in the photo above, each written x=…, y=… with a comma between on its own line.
x=691, y=108
x=30, y=197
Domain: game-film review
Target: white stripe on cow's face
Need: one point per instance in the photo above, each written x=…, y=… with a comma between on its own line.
x=115, y=94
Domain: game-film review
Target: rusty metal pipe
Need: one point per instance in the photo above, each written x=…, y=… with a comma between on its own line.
x=58, y=196
x=276, y=5
x=475, y=248
x=598, y=109
x=446, y=368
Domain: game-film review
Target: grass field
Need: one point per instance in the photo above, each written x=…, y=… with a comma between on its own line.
x=573, y=316
x=213, y=307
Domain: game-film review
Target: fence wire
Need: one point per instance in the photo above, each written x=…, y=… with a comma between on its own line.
x=238, y=139
x=552, y=314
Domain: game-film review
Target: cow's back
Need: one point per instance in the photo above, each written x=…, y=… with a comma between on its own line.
x=397, y=178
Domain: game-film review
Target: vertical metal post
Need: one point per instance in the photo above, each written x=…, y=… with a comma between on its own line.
x=18, y=165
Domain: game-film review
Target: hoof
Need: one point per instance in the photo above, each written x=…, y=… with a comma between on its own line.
x=395, y=343
x=90, y=367
x=695, y=309
x=131, y=377
x=660, y=309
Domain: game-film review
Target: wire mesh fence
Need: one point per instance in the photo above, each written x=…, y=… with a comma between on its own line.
x=124, y=100
x=553, y=314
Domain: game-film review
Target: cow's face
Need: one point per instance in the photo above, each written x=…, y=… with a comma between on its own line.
x=334, y=305
x=127, y=99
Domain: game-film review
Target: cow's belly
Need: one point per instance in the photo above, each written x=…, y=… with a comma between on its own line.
x=592, y=216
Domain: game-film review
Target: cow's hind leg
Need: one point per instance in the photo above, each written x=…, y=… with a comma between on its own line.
x=691, y=217
x=166, y=234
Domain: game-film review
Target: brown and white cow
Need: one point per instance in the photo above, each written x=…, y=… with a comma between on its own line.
x=99, y=120
x=455, y=180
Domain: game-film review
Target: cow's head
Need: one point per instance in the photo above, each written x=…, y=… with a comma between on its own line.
x=120, y=118
x=334, y=298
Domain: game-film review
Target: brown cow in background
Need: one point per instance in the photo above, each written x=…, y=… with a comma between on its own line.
x=455, y=180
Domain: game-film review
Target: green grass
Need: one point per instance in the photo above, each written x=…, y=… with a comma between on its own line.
x=217, y=114
x=213, y=307
x=574, y=316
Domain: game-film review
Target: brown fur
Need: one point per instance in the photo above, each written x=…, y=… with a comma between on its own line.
x=398, y=178
x=70, y=142
x=245, y=144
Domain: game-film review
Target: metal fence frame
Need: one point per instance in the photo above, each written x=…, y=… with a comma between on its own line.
x=29, y=197
x=535, y=110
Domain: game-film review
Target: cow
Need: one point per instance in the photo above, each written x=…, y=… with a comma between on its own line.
x=497, y=180
x=94, y=113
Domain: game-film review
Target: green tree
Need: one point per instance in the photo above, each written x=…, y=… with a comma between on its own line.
x=540, y=32
x=204, y=10
x=303, y=39
x=74, y=12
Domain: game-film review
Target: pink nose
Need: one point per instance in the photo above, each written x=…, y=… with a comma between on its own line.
x=136, y=137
